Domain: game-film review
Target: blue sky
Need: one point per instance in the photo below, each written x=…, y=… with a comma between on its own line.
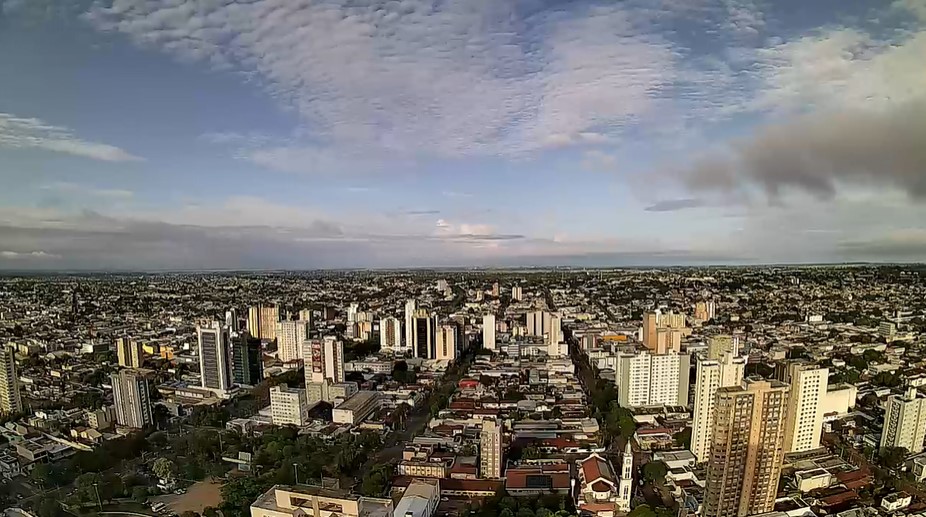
x=211, y=134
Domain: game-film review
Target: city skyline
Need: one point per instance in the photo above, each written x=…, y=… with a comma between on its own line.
x=196, y=135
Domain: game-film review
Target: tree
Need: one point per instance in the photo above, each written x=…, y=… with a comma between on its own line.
x=893, y=457
x=655, y=471
x=374, y=482
x=683, y=438
x=164, y=469
x=525, y=511
x=49, y=507
x=209, y=511
x=140, y=494
x=642, y=511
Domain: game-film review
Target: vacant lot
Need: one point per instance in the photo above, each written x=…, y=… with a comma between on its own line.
x=197, y=497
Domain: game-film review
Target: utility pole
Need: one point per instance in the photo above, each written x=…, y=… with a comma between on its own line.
x=296, y=472
x=98, y=500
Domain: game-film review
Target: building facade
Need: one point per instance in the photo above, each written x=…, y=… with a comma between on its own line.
x=490, y=449
x=711, y=376
x=288, y=406
x=10, y=398
x=746, y=449
x=806, y=405
x=129, y=352
x=132, y=399
x=214, y=357
x=290, y=335
x=645, y=379
x=247, y=360
x=905, y=421
x=390, y=334
x=488, y=332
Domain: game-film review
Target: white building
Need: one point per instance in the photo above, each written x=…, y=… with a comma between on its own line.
x=488, y=332
x=905, y=421
x=539, y=323
x=490, y=449
x=555, y=332
x=390, y=334
x=215, y=362
x=288, y=406
x=324, y=365
x=129, y=352
x=131, y=399
x=645, y=379
x=357, y=408
x=517, y=294
x=420, y=499
x=410, y=307
x=446, y=343
x=290, y=335
x=710, y=376
x=806, y=406
x=625, y=485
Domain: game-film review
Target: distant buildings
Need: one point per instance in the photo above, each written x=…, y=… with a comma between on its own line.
x=129, y=352
x=132, y=399
x=746, y=449
x=247, y=360
x=663, y=332
x=290, y=335
x=214, y=357
x=517, y=294
x=905, y=421
x=711, y=376
x=490, y=450
x=10, y=398
x=704, y=311
x=324, y=366
x=288, y=406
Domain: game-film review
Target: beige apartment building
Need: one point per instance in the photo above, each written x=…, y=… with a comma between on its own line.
x=746, y=449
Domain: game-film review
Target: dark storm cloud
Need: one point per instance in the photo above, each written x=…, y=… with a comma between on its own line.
x=816, y=152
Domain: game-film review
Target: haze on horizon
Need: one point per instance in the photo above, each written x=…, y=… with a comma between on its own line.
x=285, y=134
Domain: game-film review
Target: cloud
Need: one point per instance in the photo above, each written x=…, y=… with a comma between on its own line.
x=28, y=255
x=73, y=189
x=452, y=79
x=816, y=153
x=905, y=244
x=597, y=160
x=672, y=205
x=23, y=133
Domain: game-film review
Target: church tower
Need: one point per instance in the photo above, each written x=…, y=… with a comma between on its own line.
x=625, y=486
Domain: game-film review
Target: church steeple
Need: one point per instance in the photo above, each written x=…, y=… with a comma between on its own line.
x=625, y=486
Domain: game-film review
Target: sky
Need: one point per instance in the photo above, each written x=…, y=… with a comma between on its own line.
x=303, y=134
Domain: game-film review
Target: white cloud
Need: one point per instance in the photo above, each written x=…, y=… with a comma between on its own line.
x=17, y=132
x=28, y=255
x=424, y=77
x=74, y=189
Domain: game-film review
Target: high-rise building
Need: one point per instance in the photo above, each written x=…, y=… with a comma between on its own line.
x=704, y=311
x=390, y=334
x=490, y=449
x=806, y=405
x=308, y=316
x=214, y=357
x=129, y=352
x=645, y=379
x=10, y=398
x=324, y=364
x=517, y=294
x=247, y=360
x=131, y=399
x=447, y=341
x=410, y=307
x=290, y=335
x=424, y=327
x=488, y=332
x=905, y=421
x=231, y=320
x=649, y=330
x=717, y=346
x=288, y=406
x=496, y=289
x=625, y=485
x=262, y=321
x=746, y=449
x=555, y=332
x=352, y=311
x=710, y=376
x=539, y=323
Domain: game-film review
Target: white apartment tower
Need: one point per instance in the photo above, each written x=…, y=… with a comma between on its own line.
x=10, y=399
x=131, y=399
x=410, y=307
x=488, y=332
x=215, y=362
x=555, y=331
x=806, y=405
x=446, y=343
x=711, y=375
x=516, y=293
x=288, y=406
x=490, y=450
x=290, y=335
x=905, y=421
x=625, y=485
x=390, y=334
x=129, y=352
x=645, y=379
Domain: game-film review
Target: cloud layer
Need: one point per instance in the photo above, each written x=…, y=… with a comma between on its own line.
x=23, y=133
